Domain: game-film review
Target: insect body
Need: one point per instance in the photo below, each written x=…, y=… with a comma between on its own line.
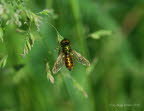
x=66, y=57
x=67, y=51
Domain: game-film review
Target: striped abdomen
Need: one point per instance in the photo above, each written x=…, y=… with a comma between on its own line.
x=69, y=61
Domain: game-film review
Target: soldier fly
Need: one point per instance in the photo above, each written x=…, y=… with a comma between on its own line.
x=66, y=57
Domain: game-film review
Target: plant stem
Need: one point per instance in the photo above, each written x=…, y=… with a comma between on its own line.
x=78, y=25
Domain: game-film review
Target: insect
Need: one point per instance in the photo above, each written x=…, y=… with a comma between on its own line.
x=66, y=57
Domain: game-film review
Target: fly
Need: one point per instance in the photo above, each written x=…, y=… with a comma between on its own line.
x=66, y=57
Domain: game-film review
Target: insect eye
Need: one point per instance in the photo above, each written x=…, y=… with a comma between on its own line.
x=65, y=42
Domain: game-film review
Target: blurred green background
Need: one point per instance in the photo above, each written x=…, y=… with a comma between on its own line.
x=109, y=33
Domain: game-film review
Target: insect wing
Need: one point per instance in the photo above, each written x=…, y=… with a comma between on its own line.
x=80, y=58
x=59, y=63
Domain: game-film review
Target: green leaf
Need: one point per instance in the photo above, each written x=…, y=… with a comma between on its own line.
x=76, y=84
x=29, y=15
x=3, y=61
x=29, y=44
x=37, y=21
x=16, y=18
x=100, y=33
x=49, y=74
x=1, y=34
x=60, y=38
x=31, y=39
x=80, y=88
x=46, y=12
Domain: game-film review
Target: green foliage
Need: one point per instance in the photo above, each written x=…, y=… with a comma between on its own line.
x=15, y=13
x=108, y=33
x=1, y=34
x=101, y=33
x=3, y=61
x=49, y=13
x=49, y=73
x=78, y=86
x=29, y=43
